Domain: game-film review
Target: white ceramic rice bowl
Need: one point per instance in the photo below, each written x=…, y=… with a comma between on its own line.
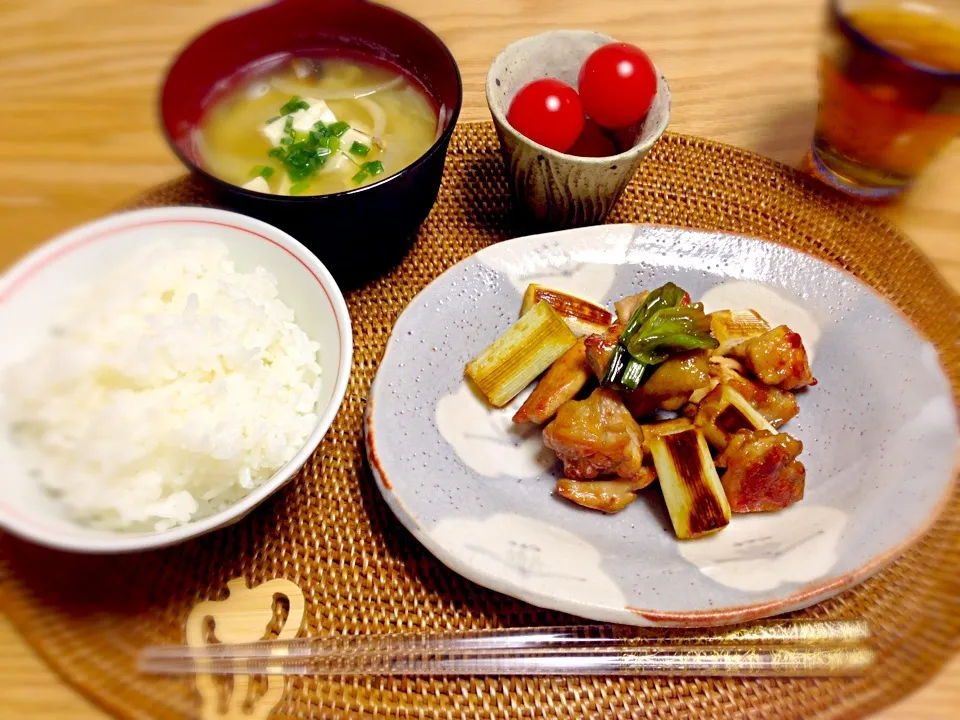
x=32, y=294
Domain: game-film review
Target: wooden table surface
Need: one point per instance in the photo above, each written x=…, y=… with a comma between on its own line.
x=78, y=137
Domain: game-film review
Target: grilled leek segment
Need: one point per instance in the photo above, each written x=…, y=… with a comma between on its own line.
x=654, y=431
x=690, y=484
x=517, y=357
x=732, y=327
x=699, y=394
x=723, y=412
x=582, y=316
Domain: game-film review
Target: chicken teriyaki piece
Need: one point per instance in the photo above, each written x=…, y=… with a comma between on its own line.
x=597, y=436
x=565, y=378
x=609, y=496
x=777, y=358
x=762, y=471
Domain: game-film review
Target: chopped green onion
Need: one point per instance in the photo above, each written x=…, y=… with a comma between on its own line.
x=298, y=188
x=300, y=165
x=299, y=168
x=293, y=104
x=338, y=128
x=374, y=167
x=330, y=141
x=634, y=373
x=358, y=148
x=300, y=155
x=264, y=171
x=616, y=366
x=624, y=370
x=272, y=120
x=288, y=132
x=304, y=153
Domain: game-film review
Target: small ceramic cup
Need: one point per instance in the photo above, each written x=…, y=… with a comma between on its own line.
x=561, y=190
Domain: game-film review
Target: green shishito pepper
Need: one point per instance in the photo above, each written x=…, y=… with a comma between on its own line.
x=664, y=325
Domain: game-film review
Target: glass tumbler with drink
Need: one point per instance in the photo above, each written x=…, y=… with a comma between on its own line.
x=889, y=92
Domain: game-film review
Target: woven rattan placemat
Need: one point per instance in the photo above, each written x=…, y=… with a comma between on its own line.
x=361, y=572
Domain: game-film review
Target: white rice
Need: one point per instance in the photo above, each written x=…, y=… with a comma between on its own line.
x=169, y=390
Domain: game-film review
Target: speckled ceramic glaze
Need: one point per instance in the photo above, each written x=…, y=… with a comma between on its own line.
x=562, y=190
x=879, y=434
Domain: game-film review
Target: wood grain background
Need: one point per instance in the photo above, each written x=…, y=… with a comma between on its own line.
x=78, y=137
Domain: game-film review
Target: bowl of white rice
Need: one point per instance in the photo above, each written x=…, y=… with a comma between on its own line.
x=162, y=373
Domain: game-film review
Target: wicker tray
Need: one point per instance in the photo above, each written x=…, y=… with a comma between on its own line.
x=361, y=572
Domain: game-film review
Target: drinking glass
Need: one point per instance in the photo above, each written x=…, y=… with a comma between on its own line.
x=889, y=92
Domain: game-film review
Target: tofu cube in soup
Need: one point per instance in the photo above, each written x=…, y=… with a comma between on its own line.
x=259, y=184
x=303, y=120
x=318, y=111
x=352, y=136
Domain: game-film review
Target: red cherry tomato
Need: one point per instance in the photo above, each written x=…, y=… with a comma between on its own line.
x=548, y=112
x=617, y=84
x=592, y=142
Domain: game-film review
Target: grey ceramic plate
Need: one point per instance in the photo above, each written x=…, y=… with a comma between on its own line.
x=879, y=434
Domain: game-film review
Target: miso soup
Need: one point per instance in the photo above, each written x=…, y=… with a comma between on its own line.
x=311, y=126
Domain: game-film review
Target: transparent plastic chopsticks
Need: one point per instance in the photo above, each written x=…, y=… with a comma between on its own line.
x=771, y=648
